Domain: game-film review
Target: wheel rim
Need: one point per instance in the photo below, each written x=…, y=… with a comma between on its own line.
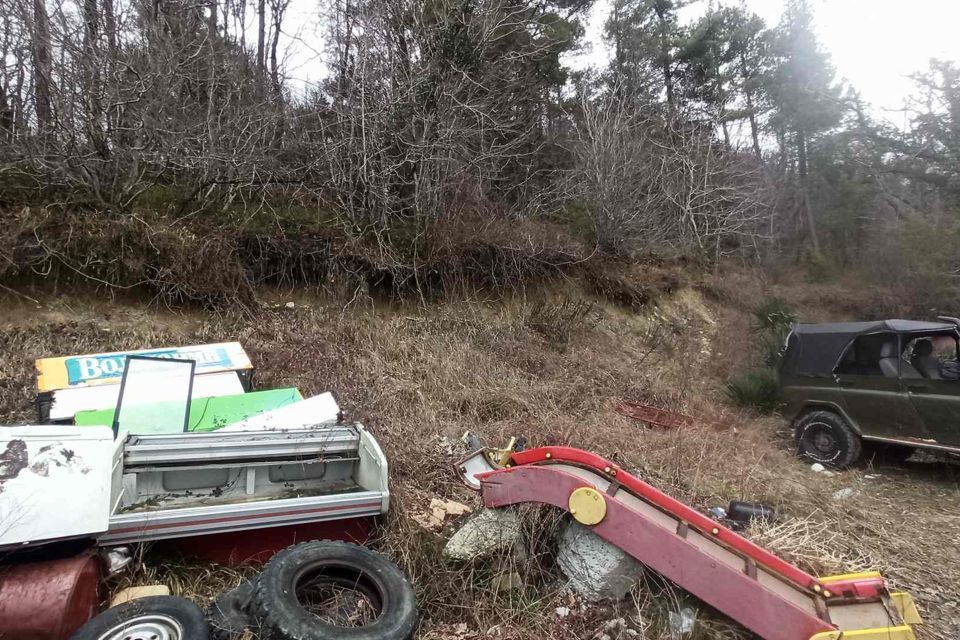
x=149, y=627
x=339, y=595
x=820, y=441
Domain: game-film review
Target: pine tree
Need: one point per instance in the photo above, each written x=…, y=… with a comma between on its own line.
x=805, y=99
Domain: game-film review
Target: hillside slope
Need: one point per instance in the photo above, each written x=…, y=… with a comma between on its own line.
x=550, y=367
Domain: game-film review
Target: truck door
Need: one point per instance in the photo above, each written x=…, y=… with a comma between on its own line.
x=937, y=401
x=869, y=380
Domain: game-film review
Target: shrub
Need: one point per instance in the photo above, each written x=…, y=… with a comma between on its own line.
x=756, y=389
x=773, y=320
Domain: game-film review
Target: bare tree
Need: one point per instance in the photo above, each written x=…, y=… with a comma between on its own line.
x=41, y=65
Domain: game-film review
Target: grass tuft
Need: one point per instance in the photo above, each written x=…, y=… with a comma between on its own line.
x=756, y=389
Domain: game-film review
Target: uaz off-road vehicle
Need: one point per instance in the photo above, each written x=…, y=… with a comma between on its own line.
x=888, y=384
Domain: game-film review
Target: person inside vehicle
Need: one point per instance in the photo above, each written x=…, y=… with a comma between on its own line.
x=929, y=365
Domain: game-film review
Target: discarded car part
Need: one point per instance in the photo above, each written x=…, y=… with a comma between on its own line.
x=230, y=614
x=202, y=483
x=769, y=596
x=150, y=618
x=48, y=600
x=327, y=590
x=747, y=512
x=890, y=381
x=43, y=468
x=80, y=372
x=313, y=411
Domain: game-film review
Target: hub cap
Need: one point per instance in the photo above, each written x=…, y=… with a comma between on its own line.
x=149, y=627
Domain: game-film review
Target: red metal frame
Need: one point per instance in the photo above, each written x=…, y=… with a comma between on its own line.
x=532, y=476
x=672, y=506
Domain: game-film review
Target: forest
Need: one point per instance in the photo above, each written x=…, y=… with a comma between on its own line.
x=159, y=144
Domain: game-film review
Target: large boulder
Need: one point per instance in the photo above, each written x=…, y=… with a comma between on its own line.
x=487, y=532
x=596, y=569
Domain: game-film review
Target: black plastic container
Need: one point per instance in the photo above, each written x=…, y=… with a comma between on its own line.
x=744, y=512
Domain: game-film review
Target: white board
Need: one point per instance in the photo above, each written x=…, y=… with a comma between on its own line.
x=306, y=413
x=54, y=482
x=67, y=402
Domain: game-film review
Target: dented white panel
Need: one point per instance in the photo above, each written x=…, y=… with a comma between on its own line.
x=68, y=402
x=321, y=409
x=54, y=482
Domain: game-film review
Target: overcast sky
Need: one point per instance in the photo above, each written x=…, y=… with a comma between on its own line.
x=875, y=44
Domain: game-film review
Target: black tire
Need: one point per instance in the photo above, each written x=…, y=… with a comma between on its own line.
x=150, y=618
x=825, y=437
x=376, y=584
x=230, y=614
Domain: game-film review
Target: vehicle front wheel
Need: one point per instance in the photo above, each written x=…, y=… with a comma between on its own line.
x=825, y=437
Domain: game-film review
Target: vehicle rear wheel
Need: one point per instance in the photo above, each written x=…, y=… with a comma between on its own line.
x=825, y=437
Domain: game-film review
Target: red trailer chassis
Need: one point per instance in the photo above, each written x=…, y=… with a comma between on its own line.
x=771, y=597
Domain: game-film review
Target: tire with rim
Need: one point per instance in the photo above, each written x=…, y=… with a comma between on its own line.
x=150, y=618
x=825, y=437
x=325, y=590
x=230, y=614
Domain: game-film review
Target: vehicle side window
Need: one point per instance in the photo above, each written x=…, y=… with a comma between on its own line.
x=934, y=356
x=862, y=357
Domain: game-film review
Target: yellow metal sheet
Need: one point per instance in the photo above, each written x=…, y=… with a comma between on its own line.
x=885, y=633
x=906, y=607
x=865, y=575
x=68, y=372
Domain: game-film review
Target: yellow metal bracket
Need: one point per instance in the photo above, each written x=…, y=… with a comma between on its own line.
x=588, y=506
x=501, y=457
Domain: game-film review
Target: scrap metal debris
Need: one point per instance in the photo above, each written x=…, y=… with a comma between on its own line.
x=664, y=418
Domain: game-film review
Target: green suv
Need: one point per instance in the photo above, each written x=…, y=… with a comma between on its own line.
x=891, y=383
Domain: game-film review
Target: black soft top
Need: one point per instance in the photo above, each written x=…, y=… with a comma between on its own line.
x=815, y=349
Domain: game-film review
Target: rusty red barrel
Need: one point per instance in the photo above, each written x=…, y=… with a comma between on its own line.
x=48, y=600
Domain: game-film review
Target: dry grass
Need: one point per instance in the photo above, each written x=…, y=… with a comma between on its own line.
x=419, y=377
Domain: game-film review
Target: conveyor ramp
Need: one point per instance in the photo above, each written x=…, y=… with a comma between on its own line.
x=769, y=596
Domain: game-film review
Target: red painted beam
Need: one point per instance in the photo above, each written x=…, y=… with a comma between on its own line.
x=672, y=506
x=730, y=590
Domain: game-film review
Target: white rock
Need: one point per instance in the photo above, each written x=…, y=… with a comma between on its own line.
x=816, y=467
x=290, y=305
x=596, y=569
x=485, y=532
x=562, y=612
x=843, y=494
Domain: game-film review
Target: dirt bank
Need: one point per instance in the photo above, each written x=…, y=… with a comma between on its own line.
x=552, y=369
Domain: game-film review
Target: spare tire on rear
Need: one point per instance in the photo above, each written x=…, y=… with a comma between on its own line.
x=327, y=590
x=150, y=618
